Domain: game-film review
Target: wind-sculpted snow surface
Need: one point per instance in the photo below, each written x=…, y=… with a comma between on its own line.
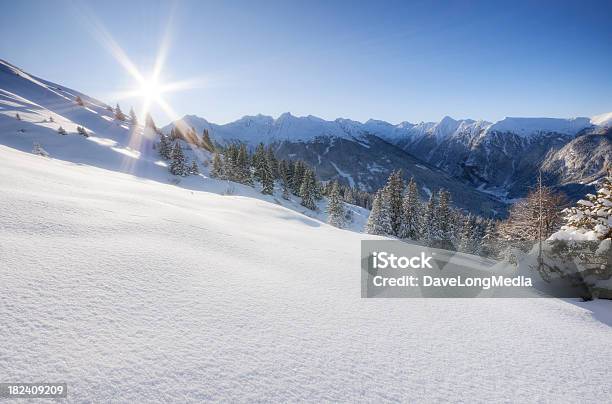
x=135, y=291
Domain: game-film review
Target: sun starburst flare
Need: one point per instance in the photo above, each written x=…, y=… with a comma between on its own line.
x=149, y=89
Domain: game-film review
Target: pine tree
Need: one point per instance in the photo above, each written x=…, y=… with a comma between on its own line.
x=411, y=213
x=177, y=165
x=379, y=221
x=51, y=119
x=444, y=220
x=38, y=149
x=217, y=167
x=133, y=117
x=164, y=149
x=18, y=117
x=490, y=244
x=318, y=190
x=478, y=235
x=335, y=207
x=349, y=196
x=231, y=163
x=79, y=101
x=286, y=193
x=243, y=166
x=297, y=175
x=119, y=115
x=193, y=169
x=429, y=229
x=267, y=181
x=307, y=190
x=149, y=123
x=259, y=161
x=283, y=169
x=393, y=192
x=207, y=143
x=61, y=131
x=272, y=162
x=468, y=235
x=81, y=131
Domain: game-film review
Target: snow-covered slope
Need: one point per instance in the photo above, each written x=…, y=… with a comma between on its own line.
x=137, y=291
x=44, y=107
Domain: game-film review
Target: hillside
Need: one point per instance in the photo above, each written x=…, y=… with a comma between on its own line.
x=132, y=290
x=44, y=107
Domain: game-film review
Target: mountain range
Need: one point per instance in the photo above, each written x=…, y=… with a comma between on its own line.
x=483, y=164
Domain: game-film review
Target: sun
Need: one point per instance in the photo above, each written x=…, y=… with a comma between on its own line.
x=151, y=89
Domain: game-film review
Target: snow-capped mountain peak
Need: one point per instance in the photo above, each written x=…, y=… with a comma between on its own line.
x=535, y=126
x=603, y=120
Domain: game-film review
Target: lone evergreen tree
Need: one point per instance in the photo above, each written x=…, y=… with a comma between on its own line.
x=79, y=101
x=38, y=149
x=61, y=131
x=18, y=117
x=177, y=165
x=81, y=131
x=335, y=207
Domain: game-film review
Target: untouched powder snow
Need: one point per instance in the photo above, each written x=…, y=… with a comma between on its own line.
x=132, y=290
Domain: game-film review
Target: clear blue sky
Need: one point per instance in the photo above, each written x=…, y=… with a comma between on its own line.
x=391, y=60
